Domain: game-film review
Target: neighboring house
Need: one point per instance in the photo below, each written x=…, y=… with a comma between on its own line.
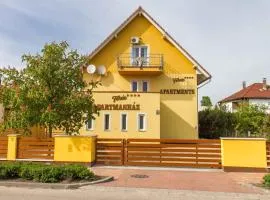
x=149, y=83
x=255, y=94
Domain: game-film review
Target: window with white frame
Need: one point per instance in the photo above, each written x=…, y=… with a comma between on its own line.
x=124, y=119
x=145, y=86
x=141, y=122
x=90, y=124
x=135, y=86
x=139, y=55
x=107, y=122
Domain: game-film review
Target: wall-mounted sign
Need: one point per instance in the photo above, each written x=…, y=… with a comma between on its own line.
x=182, y=79
x=123, y=97
x=119, y=106
x=176, y=80
x=177, y=91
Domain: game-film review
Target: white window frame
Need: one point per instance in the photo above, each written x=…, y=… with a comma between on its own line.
x=121, y=125
x=145, y=122
x=138, y=85
x=148, y=85
x=110, y=120
x=93, y=125
x=140, y=46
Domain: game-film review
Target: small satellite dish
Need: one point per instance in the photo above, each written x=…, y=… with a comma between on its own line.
x=101, y=70
x=91, y=69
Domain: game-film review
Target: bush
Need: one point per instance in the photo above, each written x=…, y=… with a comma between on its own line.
x=266, y=180
x=44, y=173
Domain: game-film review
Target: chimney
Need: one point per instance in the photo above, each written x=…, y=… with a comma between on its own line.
x=244, y=84
x=264, y=84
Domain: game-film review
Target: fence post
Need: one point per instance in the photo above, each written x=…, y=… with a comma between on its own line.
x=12, y=146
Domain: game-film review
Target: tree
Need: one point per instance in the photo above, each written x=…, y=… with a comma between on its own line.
x=252, y=120
x=206, y=102
x=216, y=123
x=49, y=91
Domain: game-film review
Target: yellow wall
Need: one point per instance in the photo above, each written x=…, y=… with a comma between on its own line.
x=241, y=152
x=178, y=112
x=12, y=147
x=149, y=104
x=74, y=148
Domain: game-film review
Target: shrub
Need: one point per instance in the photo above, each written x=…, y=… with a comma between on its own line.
x=266, y=180
x=44, y=173
x=76, y=172
x=9, y=170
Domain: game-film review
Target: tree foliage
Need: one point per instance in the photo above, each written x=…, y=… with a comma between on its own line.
x=248, y=121
x=49, y=91
x=206, y=102
x=215, y=123
x=252, y=120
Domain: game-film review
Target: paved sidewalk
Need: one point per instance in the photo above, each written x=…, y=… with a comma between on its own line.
x=204, y=180
x=119, y=193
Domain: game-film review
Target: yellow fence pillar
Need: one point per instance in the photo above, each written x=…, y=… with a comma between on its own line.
x=75, y=148
x=244, y=154
x=12, y=146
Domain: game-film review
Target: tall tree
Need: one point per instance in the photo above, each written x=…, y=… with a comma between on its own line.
x=49, y=91
x=206, y=102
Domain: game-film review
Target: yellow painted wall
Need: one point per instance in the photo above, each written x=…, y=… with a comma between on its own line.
x=238, y=152
x=74, y=148
x=12, y=147
x=149, y=104
x=178, y=113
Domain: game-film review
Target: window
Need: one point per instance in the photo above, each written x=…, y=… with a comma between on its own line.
x=107, y=123
x=90, y=124
x=145, y=87
x=124, y=122
x=141, y=122
x=139, y=55
x=134, y=86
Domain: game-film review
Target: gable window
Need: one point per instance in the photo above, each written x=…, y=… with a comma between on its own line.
x=107, y=122
x=123, y=122
x=134, y=86
x=90, y=124
x=141, y=122
x=145, y=86
x=139, y=55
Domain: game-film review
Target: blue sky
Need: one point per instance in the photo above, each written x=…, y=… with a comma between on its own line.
x=231, y=39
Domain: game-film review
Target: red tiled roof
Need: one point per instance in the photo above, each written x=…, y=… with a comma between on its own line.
x=254, y=91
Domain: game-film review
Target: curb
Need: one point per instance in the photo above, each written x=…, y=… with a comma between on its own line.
x=54, y=185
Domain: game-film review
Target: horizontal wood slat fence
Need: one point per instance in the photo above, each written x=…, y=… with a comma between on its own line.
x=35, y=148
x=110, y=151
x=268, y=153
x=159, y=152
x=3, y=147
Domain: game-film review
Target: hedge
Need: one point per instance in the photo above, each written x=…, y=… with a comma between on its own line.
x=45, y=173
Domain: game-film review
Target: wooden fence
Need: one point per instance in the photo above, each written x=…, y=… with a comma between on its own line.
x=35, y=148
x=3, y=147
x=268, y=153
x=110, y=151
x=159, y=152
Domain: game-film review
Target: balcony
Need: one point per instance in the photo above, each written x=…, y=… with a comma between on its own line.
x=150, y=65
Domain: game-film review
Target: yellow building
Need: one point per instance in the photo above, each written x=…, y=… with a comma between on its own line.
x=149, y=83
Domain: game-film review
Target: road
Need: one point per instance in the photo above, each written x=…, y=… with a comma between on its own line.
x=119, y=193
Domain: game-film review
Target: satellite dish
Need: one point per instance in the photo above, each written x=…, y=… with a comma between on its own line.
x=101, y=70
x=91, y=69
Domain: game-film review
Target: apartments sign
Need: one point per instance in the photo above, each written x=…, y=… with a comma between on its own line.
x=119, y=106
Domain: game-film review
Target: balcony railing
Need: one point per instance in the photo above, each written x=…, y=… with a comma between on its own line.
x=134, y=65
